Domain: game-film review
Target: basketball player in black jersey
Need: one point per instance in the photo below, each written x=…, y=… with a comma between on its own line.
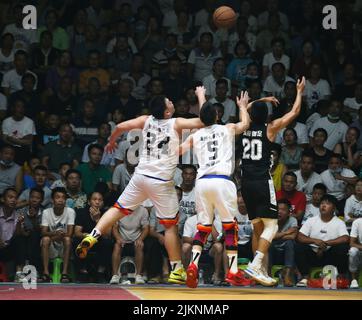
x=257, y=185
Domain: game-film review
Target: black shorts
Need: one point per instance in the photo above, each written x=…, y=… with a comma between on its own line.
x=260, y=199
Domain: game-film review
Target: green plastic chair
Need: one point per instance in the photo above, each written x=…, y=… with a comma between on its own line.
x=315, y=273
x=56, y=273
x=243, y=263
x=275, y=269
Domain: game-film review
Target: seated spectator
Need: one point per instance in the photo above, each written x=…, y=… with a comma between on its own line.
x=116, y=118
x=201, y=59
x=353, y=207
x=85, y=220
x=254, y=87
x=213, y=248
x=316, y=89
x=281, y=250
x=121, y=27
x=276, y=55
x=3, y=106
x=246, y=13
x=120, y=59
x=6, y=53
x=336, y=179
x=307, y=178
x=355, y=252
x=61, y=182
x=312, y=209
x=336, y=129
x=322, y=240
x=11, y=81
x=220, y=35
x=348, y=148
x=160, y=59
x=94, y=71
x=10, y=172
x=155, y=88
x=122, y=174
x=86, y=125
x=93, y=171
x=291, y=152
x=18, y=131
x=62, y=150
x=129, y=234
x=218, y=72
x=300, y=130
x=182, y=109
x=272, y=7
x=174, y=81
x=28, y=171
x=353, y=104
x=183, y=32
x=76, y=198
x=40, y=176
x=57, y=228
x=296, y=198
x=192, y=100
x=321, y=110
x=59, y=35
x=274, y=84
x=303, y=64
x=221, y=97
x=278, y=168
x=29, y=237
x=320, y=154
x=76, y=30
x=347, y=88
x=104, y=132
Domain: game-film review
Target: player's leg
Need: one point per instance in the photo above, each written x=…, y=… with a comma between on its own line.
x=258, y=228
x=130, y=199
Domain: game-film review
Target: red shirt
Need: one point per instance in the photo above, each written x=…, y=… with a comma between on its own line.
x=296, y=199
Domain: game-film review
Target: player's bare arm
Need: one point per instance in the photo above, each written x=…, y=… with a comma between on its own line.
x=275, y=126
x=244, y=116
x=137, y=123
x=274, y=101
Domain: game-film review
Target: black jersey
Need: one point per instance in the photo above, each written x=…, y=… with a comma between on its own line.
x=255, y=153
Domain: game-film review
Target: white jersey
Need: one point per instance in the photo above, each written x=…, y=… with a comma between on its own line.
x=214, y=150
x=158, y=157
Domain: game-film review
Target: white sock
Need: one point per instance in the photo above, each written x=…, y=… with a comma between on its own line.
x=258, y=259
x=175, y=265
x=95, y=233
x=233, y=261
x=196, y=254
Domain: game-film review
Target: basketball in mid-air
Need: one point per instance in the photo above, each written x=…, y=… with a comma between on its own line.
x=224, y=17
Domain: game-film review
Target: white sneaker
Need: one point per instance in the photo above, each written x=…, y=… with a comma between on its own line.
x=139, y=279
x=354, y=284
x=126, y=282
x=259, y=277
x=302, y=283
x=115, y=279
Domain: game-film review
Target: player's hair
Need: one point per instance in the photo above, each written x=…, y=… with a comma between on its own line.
x=320, y=186
x=259, y=112
x=38, y=190
x=59, y=190
x=208, y=114
x=286, y=202
x=329, y=198
x=71, y=171
x=157, y=106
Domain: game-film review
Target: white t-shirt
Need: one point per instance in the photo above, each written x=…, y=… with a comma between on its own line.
x=18, y=129
x=23, y=38
x=3, y=102
x=209, y=83
x=336, y=187
x=310, y=121
x=130, y=227
x=234, y=39
x=107, y=158
x=121, y=177
x=188, y=203
x=316, y=92
x=354, y=207
x=219, y=36
x=317, y=229
x=269, y=59
x=336, y=131
x=271, y=86
x=310, y=212
x=307, y=186
x=6, y=63
x=302, y=133
x=54, y=222
x=356, y=231
x=229, y=109
x=353, y=104
x=12, y=80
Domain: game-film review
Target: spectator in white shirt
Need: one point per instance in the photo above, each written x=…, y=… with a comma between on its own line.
x=336, y=129
x=355, y=252
x=321, y=110
x=316, y=88
x=218, y=72
x=306, y=177
x=348, y=149
x=353, y=105
x=301, y=131
x=272, y=8
x=276, y=55
x=353, y=208
x=322, y=240
x=312, y=208
x=7, y=53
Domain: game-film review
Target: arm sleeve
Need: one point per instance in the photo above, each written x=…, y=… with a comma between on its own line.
x=71, y=216
x=354, y=230
x=342, y=229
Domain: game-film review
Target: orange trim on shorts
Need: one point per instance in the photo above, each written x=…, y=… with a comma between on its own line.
x=203, y=228
x=228, y=225
x=123, y=210
x=169, y=222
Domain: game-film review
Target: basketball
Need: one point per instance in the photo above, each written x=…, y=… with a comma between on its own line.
x=224, y=17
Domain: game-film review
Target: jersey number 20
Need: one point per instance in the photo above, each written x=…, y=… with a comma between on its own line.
x=252, y=149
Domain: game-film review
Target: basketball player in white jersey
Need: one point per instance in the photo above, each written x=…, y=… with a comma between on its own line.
x=153, y=177
x=214, y=150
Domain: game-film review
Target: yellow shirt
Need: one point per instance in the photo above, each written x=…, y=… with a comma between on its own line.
x=277, y=176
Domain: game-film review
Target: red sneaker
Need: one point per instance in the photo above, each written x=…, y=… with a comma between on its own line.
x=192, y=278
x=237, y=279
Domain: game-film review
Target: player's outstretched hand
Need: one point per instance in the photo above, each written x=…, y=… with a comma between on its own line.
x=243, y=100
x=301, y=85
x=110, y=147
x=274, y=101
x=200, y=90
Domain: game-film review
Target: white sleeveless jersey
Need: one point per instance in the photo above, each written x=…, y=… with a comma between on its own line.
x=214, y=150
x=158, y=157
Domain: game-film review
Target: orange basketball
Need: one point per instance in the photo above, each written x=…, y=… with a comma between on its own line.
x=224, y=17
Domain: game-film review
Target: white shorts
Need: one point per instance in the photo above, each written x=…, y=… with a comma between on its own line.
x=162, y=194
x=215, y=193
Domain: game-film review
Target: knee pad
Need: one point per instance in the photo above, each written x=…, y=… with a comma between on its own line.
x=231, y=235
x=201, y=235
x=270, y=229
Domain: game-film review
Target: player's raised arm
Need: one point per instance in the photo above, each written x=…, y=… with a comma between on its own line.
x=274, y=101
x=244, y=116
x=275, y=126
x=137, y=123
x=200, y=93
